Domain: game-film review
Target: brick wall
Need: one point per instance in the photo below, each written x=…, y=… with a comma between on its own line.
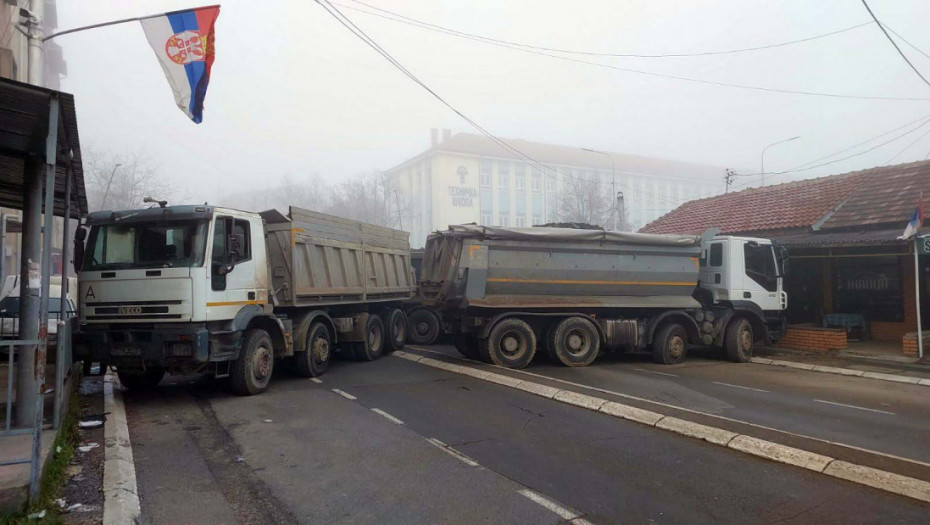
x=809, y=337
x=909, y=342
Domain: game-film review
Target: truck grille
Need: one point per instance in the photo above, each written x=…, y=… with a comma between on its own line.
x=126, y=310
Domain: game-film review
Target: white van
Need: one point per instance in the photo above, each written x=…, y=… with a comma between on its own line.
x=9, y=304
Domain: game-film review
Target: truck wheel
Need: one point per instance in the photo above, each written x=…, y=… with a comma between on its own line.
x=424, y=327
x=467, y=345
x=670, y=344
x=739, y=340
x=373, y=346
x=249, y=375
x=147, y=380
x=315, y=360
x=575, y=342
x=395, y=321
x=548, y=347
x=511, y=343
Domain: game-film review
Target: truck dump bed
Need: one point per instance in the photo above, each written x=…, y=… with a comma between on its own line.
x=321, y=260
x=470, y=266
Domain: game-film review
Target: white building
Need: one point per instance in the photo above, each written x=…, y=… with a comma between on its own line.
x=469, y=178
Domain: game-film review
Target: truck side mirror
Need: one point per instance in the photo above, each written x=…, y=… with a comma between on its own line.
x=234, y=250
x=80, y=235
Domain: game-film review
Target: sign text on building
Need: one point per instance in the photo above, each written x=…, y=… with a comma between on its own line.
x=463, y=197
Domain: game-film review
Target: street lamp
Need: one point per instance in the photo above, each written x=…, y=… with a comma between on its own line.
x=107, y=192
x=762, y=162
x=613, y=180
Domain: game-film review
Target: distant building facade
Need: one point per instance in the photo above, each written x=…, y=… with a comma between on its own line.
x=468, y=178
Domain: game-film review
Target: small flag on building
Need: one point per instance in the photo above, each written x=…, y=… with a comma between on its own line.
x=913, y=227
x=183, y=43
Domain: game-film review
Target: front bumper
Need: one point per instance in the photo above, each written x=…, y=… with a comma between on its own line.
x=159, y=345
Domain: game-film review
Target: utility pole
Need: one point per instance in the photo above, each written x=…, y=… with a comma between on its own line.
x=620, y=212
x=36, y=44
x=728, y=178
x=106, y=193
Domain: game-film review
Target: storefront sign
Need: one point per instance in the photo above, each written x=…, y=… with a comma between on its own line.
x=923, y=245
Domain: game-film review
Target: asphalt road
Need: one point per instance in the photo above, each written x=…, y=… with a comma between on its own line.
x=304, y=453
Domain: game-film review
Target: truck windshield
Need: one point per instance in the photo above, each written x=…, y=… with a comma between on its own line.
x=146, y=245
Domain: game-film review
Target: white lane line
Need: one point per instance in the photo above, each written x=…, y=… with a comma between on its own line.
x=564, y=512
x=316, y=380
x=387, y=416
x=345, y=394
x=854, y=406
x=452, y=452
x=654, y=372
x=740, y=386
x=683, y=409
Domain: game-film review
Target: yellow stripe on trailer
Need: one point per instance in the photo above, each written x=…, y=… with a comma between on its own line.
x=569, y=281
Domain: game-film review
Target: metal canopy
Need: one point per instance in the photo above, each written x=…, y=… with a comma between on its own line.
x=23, y=130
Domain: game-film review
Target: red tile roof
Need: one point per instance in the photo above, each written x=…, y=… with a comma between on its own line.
x=885, y=195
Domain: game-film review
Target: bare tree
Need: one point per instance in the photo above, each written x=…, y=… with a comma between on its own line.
x=119, y=182
x=587, y=202
x=363, y=198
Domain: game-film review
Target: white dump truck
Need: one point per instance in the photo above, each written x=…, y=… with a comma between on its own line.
x=204, y=289
x=504, y=292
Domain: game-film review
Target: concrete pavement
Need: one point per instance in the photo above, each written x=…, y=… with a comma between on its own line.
x=320, y=457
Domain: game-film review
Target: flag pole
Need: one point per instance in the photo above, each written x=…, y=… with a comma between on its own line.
x=121, y=21
x=920, y=334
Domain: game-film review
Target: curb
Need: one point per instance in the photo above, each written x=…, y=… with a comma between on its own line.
x=120, y=493
x=878, y=479
x=842, y=371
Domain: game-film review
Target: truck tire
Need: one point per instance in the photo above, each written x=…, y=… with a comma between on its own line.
x=395, y=321
x=739, y=340
x=249, y=375
x=147, y=380
x=424, y=326
x=511, y=343
x=670, y=344
x=315, y=360
x=467, y=345
x=575, y=342
x=373, y=346
x=548, y=339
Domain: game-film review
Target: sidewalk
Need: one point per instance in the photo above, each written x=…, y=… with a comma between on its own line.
x=851, y=360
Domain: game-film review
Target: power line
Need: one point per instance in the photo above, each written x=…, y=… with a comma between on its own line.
x=623, y=55
x=452, y=32
x=895, y=44
x=919, y=50
x=799, y=168
x=898, y=154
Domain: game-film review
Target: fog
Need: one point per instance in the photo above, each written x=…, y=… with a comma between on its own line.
x=294, y=96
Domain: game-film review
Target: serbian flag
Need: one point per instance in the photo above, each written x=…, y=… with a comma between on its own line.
x=916, y=220
x=183, y=43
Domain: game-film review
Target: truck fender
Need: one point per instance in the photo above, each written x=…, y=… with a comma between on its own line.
x=688, y=322
x=486, y=329
x=750, y=311
x=303, y=326
x=245, y=315
x=280, y=334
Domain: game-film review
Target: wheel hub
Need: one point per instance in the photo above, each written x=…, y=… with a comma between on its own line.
x=676, y=346
x=574, y=342
x=422, y=328
x=745, y=338
x=320, y=350
x=262, y=362
x=374, y=338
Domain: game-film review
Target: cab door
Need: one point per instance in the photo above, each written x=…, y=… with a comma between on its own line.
x=233, y=279
x=760, y=276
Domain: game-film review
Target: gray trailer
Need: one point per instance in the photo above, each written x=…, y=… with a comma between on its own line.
x=504, y=292
x=185, y=289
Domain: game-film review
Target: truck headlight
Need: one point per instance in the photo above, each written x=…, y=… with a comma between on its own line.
x=180, y=350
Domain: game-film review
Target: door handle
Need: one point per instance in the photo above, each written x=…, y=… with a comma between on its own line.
x=747, y=295
x=251, y=296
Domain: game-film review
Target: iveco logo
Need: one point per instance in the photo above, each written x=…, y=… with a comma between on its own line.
x=130, y=310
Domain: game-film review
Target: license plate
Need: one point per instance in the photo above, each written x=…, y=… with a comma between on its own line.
x=126, y=350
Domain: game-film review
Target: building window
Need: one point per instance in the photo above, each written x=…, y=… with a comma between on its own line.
x=537, y=220
x=503, y=176
x=487, y=169
x=536, y=183
x=520, y=221
x=504, y=219
x=519, y=182
x=485, y=219
x=551, y=183
x=873, y=286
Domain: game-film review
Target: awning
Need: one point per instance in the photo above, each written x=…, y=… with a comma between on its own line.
x=836, y=239
x=23, y=130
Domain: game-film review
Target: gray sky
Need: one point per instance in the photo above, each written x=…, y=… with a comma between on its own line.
x=293, y=92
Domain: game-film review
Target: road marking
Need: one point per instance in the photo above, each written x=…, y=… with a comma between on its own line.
x=564, y=512
x=654, y=372
x=743, y=387
x=389, y=417
x=676, y=407
x=345, y=394
x=452, y=452
x=854, y=406
x=316, y=380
